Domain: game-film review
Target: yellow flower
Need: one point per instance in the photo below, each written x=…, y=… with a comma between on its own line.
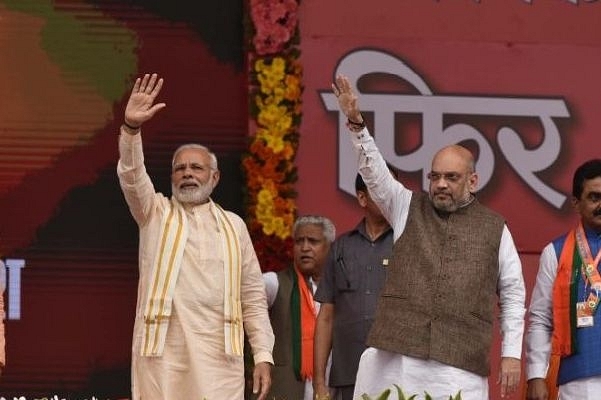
x=271, y=174
x=279, y=227
x=279, y=65
x=276, y=143
x=271, y=115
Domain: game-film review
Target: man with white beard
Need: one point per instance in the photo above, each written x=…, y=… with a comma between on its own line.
x=200, y=285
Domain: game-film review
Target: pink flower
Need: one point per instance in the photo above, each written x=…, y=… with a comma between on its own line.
x=275, y=23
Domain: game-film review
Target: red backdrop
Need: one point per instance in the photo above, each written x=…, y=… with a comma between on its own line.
x=491, y=49
x=66, y=69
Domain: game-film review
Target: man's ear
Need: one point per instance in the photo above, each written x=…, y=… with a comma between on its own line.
x=215, y=177
x=575, y=202
x=362, y=198
x=472, y=182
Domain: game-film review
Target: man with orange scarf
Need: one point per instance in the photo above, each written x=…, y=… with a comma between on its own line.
x=564, y=321
x=293, y=311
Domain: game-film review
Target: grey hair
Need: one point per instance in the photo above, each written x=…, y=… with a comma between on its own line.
x=212, y=156
x=329, y=230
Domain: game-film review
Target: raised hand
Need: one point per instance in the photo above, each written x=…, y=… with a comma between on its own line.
x=140, y=106
x=347, y=99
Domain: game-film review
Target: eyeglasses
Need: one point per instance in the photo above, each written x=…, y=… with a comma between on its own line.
x=452, y=177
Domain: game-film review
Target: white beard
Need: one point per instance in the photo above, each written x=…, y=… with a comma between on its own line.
x=189, y=195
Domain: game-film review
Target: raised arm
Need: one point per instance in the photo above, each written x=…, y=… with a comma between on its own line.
x=133, y=178
x=390, y=195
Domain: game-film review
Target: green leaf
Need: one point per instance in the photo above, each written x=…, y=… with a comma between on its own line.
x=401, y=395
x=384, y=395
x=399, y=392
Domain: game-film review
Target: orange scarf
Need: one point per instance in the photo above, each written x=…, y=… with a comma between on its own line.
x=307, y=327
x=564, y=298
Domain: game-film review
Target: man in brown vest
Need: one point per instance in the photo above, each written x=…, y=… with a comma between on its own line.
x=451, y=258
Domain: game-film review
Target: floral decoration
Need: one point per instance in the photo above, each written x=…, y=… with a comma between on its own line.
x=275, y=89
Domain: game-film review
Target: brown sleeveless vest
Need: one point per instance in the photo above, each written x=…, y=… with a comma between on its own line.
x=440, y=291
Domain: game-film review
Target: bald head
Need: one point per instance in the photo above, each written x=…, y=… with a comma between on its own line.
x=452, y=178
x=458, y=155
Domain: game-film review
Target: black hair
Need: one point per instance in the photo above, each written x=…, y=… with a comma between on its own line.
x=589, y=170
x=360, y=184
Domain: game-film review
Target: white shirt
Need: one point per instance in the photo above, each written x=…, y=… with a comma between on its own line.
x=538, y=338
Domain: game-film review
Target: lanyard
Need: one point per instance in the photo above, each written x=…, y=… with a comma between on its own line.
x=589, y=268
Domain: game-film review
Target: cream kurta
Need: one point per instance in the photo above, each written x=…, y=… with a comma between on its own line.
x=194, y=364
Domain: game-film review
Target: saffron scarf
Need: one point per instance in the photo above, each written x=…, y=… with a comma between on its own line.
x=303, y=313
x=565, y=293
x=166, y=266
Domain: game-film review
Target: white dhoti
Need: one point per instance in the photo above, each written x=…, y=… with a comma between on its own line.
x=580, y=389
x=380, y=370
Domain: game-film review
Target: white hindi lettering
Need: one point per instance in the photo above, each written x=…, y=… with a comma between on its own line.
x=13, y=266
x=526, y=162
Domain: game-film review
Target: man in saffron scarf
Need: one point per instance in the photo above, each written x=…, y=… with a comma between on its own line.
x=200, y=284
x=564, y=320
x=452, y=259
x=293, y=311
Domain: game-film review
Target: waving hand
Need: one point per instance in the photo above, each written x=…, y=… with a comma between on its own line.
x=140, y=106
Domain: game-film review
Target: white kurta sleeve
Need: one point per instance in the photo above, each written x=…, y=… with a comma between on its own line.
x=254, y=303
x=512, y=297
x=540, y=314
x=390, y=195
x=133, y=178
x=271, y=286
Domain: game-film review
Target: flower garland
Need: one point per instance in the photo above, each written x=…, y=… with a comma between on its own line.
x=275, y=76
